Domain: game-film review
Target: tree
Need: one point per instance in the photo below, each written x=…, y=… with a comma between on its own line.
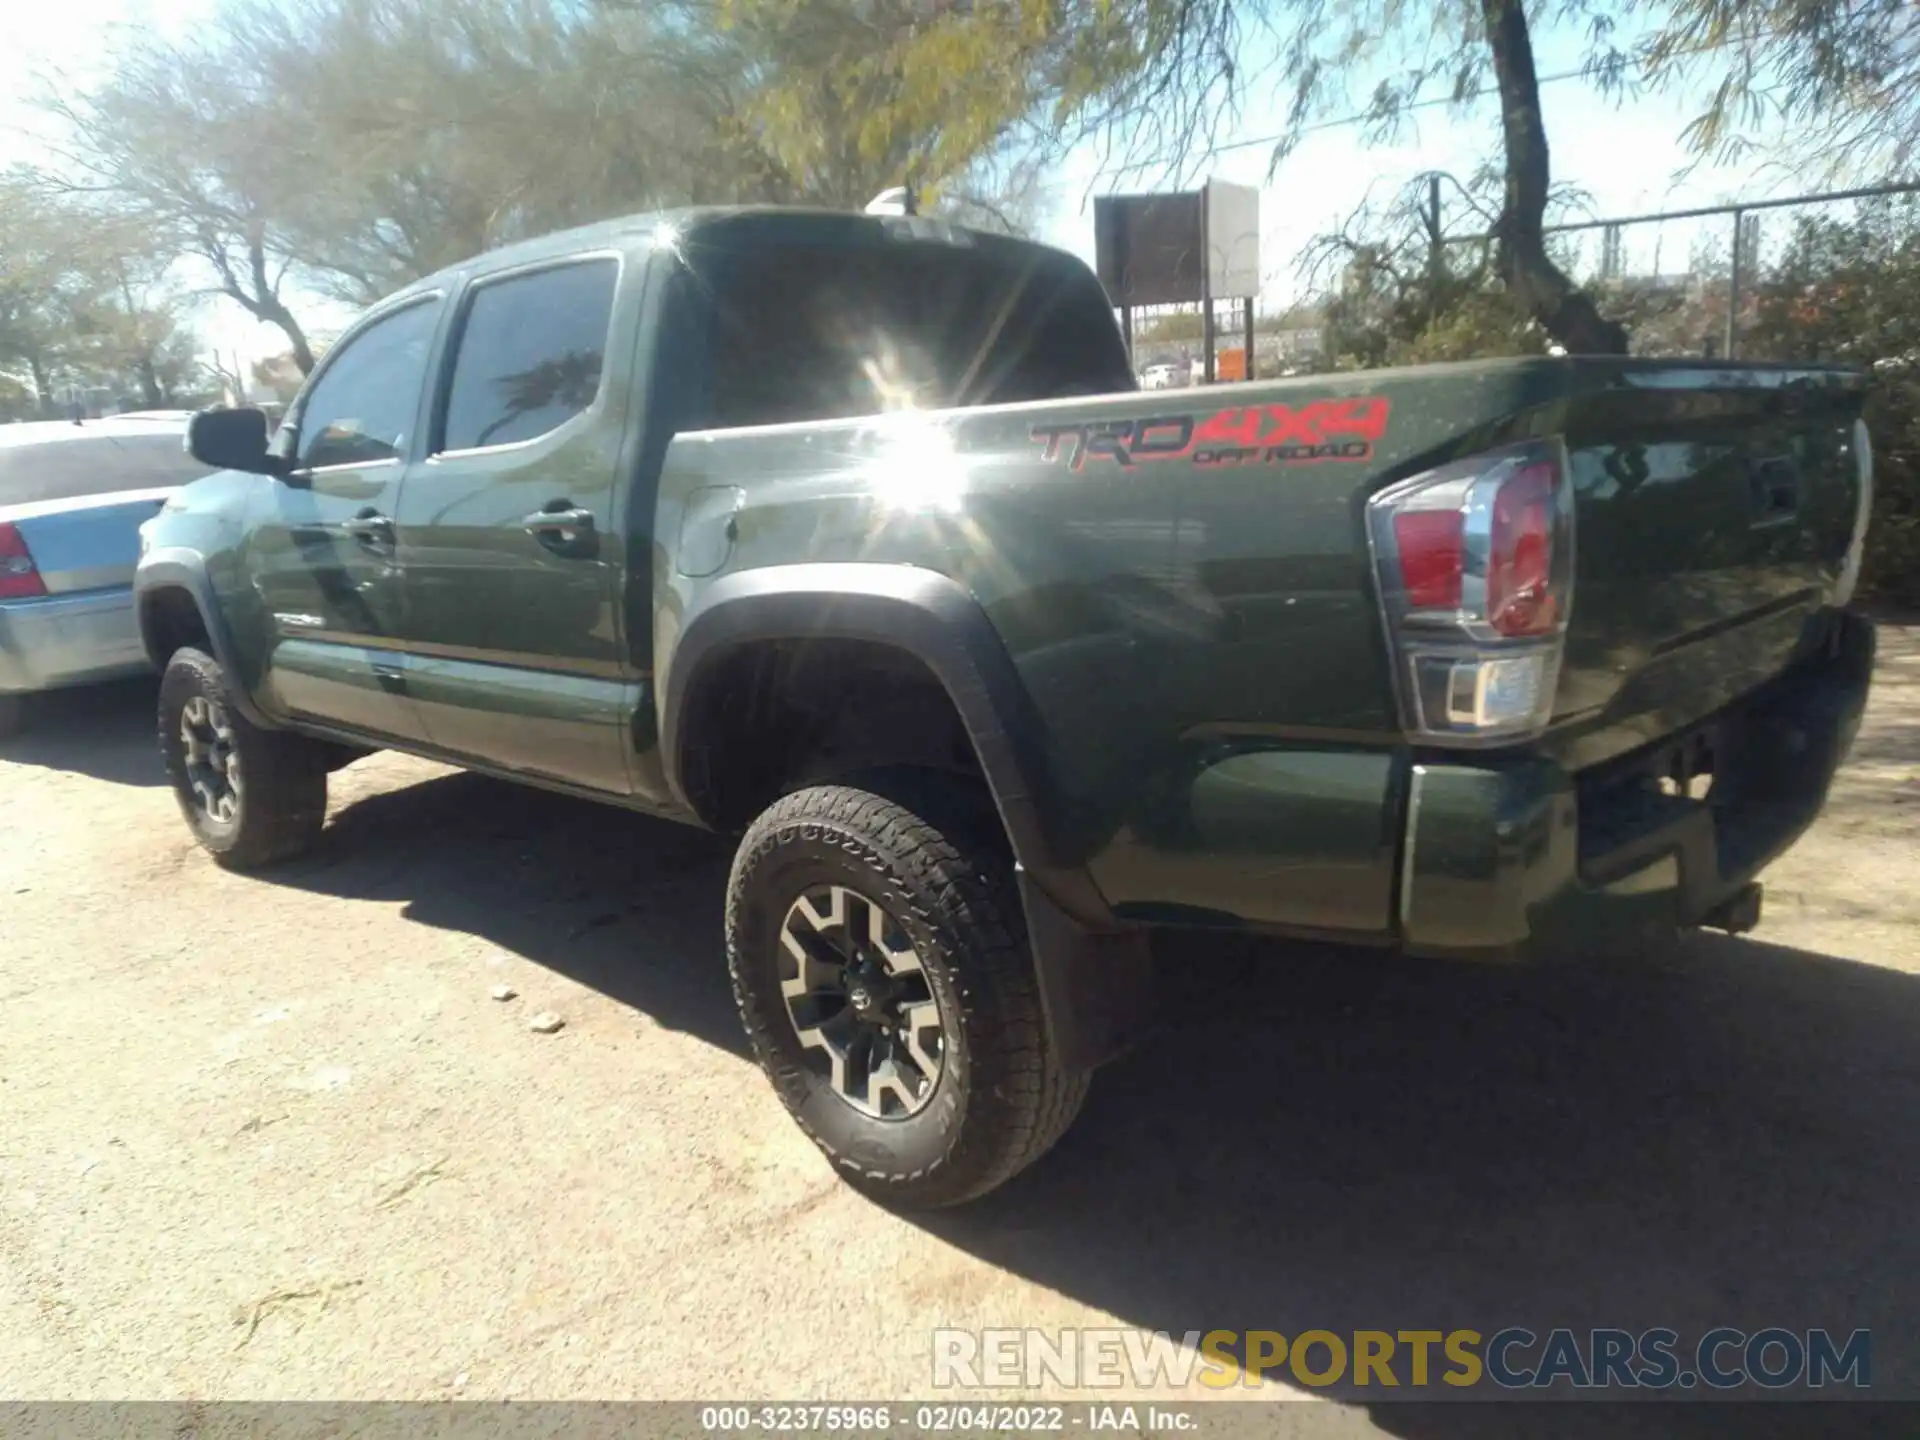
x=1841, y=76
x=429, y=130
x=348, y=147
x=1399, y=295
x=37, y=294
x=956, y=100
x=1536, y=283
x=184, y=149
x=1160, y=79
x=84, y=303
x=355, y=145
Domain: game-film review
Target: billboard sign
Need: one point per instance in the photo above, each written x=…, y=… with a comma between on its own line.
x=1179, y=248
x=1233, y=240
x=1147, y=248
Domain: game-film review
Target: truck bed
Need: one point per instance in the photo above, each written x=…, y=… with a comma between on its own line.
x=1183, y=581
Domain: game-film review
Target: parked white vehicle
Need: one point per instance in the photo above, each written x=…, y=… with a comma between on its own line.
x=1160, y=377
x=72, y=497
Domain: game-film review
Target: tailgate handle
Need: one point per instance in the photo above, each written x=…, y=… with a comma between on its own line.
x=1774, y=485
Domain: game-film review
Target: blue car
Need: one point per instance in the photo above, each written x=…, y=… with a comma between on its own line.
x=72, y=498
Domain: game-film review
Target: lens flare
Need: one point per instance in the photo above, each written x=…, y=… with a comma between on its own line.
x=916, y=467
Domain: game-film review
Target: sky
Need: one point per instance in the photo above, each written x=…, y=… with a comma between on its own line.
x=1630, y=158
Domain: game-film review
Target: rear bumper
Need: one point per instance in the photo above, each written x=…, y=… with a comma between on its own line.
x=58, y=640
x=1504, y=859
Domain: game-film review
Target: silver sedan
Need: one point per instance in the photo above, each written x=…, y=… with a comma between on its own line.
x=72, y=499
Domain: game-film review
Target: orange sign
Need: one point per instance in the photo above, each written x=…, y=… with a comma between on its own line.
x=1230, y=365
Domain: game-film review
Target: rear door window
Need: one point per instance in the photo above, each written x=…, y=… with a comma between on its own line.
x=531, y=351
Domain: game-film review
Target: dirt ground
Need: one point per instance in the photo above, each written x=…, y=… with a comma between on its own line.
x=270, y=1136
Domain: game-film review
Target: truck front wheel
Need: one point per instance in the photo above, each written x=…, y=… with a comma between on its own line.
x=250, y=796
x=880, y=965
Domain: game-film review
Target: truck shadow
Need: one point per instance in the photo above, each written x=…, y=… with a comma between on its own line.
x=621, y=902
x=103, y=731
x=1722, y=1133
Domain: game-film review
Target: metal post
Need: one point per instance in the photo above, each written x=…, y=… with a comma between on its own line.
x=1247, y=373
x=1731, y=343
x=1126, y=329
x=1433, y=249
x=1206, y=288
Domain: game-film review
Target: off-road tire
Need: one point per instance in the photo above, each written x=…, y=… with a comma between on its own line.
x=281, y=802
x=1001, y=1099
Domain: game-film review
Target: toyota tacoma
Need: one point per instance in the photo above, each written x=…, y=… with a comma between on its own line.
x=854, y=536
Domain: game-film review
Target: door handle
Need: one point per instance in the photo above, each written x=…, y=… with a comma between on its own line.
x=370, y=528
x=564, y=528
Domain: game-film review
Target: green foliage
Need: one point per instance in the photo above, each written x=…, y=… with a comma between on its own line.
x=1183, y=326
x=1841, y=79
x=1160, y=80
x=1849, y=291
x=347, y=147
x=83, y=304
x=1396, y=299
x=854, y=96
x=1472, y=323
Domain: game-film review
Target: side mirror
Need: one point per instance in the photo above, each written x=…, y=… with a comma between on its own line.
x=234, y=440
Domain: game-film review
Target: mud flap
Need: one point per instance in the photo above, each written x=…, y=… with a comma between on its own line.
x=1096, y=989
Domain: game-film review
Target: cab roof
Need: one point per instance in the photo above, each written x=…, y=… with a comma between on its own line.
x=691, y=225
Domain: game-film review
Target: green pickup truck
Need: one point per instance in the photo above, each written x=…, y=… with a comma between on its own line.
x=852, y=534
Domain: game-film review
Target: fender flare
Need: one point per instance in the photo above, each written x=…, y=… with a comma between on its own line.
x=930, y=617
x=185, y=570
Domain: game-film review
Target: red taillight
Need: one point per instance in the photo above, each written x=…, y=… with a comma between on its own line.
x=1475, y=565
x=1429, y=542
x=1520, y=595
x=19, y=579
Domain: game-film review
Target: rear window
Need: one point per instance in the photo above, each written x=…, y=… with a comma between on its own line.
x=813, y=332
x=73, y=467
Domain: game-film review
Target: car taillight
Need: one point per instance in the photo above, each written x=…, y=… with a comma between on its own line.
x=1520, y=594
x=19, y=578
x=1475, y=567
x=1430, y=554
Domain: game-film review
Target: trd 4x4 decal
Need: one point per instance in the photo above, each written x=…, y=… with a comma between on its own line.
x=1276, y=434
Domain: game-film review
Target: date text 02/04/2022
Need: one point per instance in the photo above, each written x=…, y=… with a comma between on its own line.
x=939, y=1419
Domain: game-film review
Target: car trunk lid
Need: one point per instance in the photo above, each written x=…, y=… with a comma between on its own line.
x=77, y=493
x=87, y=544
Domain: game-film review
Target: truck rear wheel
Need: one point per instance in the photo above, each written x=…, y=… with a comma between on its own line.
x=250, y=796
x=880, y=966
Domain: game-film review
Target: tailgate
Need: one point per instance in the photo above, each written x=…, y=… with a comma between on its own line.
x=1714, y=513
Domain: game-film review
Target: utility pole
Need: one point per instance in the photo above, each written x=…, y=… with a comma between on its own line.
x=1730, y=344
x=1206, y=289
x=1434, y=256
